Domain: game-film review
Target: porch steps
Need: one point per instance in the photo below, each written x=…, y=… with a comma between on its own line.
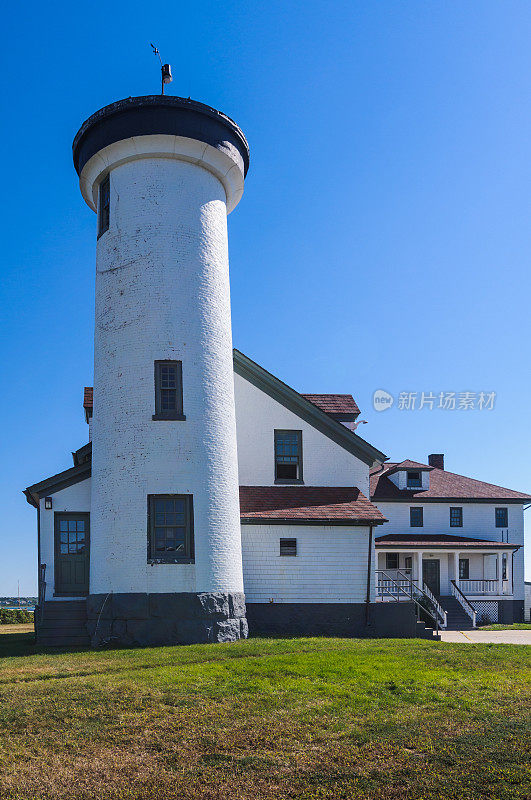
x=458, y=620
x=64, y=624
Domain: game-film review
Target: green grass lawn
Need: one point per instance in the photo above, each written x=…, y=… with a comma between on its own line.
x=328, y=719
x=516, y=626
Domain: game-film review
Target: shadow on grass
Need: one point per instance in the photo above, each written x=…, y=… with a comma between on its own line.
x=17, y=645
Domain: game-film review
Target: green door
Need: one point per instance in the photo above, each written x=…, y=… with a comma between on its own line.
x=72, y=538
x=431, y=572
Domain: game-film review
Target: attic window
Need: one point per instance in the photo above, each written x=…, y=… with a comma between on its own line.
x=414, y=480
x=288, y=456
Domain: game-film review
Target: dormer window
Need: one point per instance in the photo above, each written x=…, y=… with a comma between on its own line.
x=414, y=479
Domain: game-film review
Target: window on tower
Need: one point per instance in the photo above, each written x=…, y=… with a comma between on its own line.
x=170, y=528
x=104, y=206
x=168, y=390
x=288, y=457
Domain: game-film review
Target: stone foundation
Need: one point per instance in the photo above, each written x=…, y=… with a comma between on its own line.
x=396, y=620
x=141, y=619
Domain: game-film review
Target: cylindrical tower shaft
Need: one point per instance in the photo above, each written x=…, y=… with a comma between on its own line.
x=163, y=173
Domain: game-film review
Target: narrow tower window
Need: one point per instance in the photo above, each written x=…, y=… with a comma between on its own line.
x=288, y=456
x=104, y=206
x=170, y=528
x=168, y=390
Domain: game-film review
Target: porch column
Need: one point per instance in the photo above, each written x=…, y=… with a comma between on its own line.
x=419, y=555
x=499, y=572
x=509, y=557
x=456, y=567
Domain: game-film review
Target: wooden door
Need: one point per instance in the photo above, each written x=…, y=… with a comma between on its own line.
x=72, y=540
x=431, y=572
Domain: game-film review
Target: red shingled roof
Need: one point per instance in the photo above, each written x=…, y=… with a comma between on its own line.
x=334, y=403
x=436, y=540
x=88, y=397
x=444, y=485
x=297, y=503
x=407, y=464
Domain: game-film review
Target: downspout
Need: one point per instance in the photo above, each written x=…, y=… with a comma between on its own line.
x=38, y=565
x=369, y=568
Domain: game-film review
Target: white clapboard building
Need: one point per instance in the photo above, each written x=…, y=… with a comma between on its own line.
x=211, y=498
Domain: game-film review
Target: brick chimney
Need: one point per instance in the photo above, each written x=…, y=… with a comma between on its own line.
x=436, y=460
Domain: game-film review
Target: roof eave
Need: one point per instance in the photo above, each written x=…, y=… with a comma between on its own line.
x=309, y=521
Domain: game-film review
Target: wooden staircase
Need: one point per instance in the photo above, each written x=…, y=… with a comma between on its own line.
x=62, y=623
x=458, y=619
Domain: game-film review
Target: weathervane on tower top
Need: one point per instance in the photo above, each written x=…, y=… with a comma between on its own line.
x=165, y=69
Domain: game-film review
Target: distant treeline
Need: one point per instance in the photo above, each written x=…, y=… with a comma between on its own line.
x=15, y=601
x=12, y=616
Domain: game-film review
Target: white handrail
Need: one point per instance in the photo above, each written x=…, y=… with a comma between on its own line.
x=464, y=601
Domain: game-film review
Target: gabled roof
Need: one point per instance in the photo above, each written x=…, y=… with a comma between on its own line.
x=339, y=406
x=305, y=409
x=444, y=486
x=322, y=505
x=437, y=540
x=407, y=464
x=57, y=482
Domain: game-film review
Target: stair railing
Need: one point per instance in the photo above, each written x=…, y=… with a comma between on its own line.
x=464, y=602
x=425, y=591
x=387, y=585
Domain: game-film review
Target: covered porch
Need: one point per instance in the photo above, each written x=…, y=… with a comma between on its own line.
x=479, y=569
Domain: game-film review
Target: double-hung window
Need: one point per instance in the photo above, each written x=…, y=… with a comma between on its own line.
x=168, y=390
x=170, y=528
x=104, y=206
x=464, y=569
x=416, y=516
x=288, y=456
x=391, y=560
x=456, y=518
x=502, y=520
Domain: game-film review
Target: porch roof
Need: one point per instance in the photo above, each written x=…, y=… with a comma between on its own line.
x=439, y=540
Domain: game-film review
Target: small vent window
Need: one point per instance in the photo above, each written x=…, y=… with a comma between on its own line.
x=288, y=547
x=104, y=206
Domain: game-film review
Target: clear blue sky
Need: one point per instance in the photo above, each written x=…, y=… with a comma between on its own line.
x=383, y=240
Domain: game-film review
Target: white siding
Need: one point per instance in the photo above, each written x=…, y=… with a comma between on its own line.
x=325, y=463
x=73, y=498
x=330, y=565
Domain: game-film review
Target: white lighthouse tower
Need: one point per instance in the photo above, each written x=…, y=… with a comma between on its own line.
x=165, y=555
